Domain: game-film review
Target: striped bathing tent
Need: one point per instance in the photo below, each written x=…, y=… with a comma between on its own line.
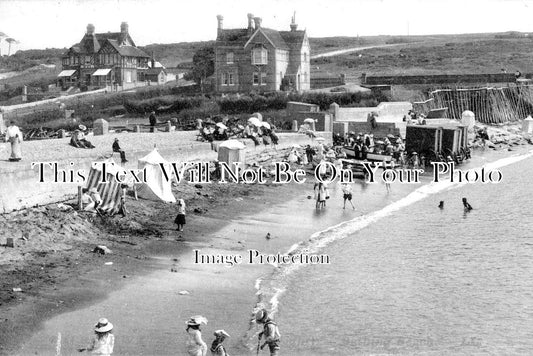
x=109, y=191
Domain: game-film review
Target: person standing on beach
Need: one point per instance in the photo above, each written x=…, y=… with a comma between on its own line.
x=195, y=345
x=14, y=136
x=180, y=218
x=385, y=168
x=347, y=194
x=309, y=152
x=217, y=349
x=321, y=193
x=270, y=332
x=153, y=121
x=104, y=340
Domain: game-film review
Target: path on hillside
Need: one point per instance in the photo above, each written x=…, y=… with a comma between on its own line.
x=353, y=49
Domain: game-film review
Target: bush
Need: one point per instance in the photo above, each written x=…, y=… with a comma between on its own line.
x=164, y=104
x=278, y=101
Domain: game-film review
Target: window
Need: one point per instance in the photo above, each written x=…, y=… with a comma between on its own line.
x=259, y=78
x=305, y=57
x=230, y=79
x=259, y=56
x=225, y=79
x=229, y=58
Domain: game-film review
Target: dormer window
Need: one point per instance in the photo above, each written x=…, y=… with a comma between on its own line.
x=259, y=56
x=229, y=58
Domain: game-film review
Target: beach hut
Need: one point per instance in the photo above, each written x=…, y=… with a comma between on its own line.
x=110, y=191
x=232, y=151
x=155, y=186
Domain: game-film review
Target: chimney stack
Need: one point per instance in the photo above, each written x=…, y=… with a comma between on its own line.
x=250, y=21
x=220, y=20
x=257, y=21
x=294, y=26
x=124, y=27
x=90, y=29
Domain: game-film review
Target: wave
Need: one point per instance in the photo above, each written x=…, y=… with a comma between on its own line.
x=269, y=291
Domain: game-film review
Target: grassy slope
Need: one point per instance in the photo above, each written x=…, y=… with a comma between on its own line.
x=478, y=53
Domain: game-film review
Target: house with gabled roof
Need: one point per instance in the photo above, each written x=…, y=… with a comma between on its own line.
x=260, y=59
x=102, y=59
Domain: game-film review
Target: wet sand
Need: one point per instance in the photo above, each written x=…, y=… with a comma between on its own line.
x=148, y=311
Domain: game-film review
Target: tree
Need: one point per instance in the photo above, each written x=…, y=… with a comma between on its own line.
x=10, y=41
x=2, y=36
x=203, y=64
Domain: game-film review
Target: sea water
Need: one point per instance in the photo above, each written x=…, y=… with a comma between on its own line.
x=415, y=279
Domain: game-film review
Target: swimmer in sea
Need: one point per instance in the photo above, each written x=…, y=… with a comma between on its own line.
x=441, y=204
x=466, y=205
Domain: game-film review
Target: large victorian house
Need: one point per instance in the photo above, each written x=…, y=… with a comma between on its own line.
x=102, y=59
x=261, y=59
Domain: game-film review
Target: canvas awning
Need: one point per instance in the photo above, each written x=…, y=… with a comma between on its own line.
x=67, y=73
x=101, y=72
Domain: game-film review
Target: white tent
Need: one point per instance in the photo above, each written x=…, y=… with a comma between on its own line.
x=157, y=186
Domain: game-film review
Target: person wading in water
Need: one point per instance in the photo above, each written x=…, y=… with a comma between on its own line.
x=217, y=349
x=270, y=332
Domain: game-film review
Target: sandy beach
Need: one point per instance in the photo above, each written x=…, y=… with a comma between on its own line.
x=68, y=286
x=154, y=277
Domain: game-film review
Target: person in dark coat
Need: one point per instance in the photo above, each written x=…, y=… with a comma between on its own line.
x=153, y=121
x=116, y=148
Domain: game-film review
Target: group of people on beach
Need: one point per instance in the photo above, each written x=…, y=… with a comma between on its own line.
x=269, y=336
x=103, y=342
x=229, y=127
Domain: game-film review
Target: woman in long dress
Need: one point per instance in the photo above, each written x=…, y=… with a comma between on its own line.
x=195, y=345
x=14, y=136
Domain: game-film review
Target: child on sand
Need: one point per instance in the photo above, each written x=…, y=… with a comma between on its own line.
x=347, y=194
x=217, y=349
x=180, y=218
x=104, y=340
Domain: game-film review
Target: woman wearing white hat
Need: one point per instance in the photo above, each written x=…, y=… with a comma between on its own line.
x=216, y=347
x=195, y=345
x=104, y=340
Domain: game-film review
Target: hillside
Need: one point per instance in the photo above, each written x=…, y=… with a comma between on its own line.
x=441, y=56
x=436, y=54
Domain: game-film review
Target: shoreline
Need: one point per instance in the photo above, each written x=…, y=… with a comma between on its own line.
x=202, y=226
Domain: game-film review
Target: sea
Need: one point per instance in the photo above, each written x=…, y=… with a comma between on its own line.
x=414, y=279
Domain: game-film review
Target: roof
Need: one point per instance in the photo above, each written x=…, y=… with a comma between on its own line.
x=155, y=71
x=294, y=39
x=67, y=73
x=129, y=51
x=92, y=44
x=101, y=72
x=233, y=36
x=279, y=39
x=274, y=37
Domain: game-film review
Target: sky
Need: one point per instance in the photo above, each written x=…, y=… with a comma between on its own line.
x=62, y=23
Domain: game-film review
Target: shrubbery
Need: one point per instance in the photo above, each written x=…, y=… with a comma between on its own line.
x=164, y=104
x=278, y=101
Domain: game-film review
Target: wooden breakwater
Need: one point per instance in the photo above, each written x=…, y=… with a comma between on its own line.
x=490, y=105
